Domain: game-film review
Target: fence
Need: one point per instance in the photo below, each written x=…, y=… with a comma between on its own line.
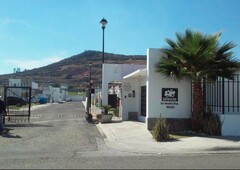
x=223, y=95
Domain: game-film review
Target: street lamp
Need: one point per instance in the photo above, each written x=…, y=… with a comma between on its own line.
x=104, y=23
x=89, y=116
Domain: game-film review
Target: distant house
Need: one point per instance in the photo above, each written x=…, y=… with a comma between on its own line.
x=24, y=82
x=55, y=94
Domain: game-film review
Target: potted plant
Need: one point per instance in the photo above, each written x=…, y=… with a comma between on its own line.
x=106, y=108
x=106, y=117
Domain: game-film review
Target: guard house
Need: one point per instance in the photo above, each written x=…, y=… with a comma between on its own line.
x=149, y=95
x=146, y=95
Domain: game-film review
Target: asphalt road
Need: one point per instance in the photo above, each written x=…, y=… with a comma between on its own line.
x=56, y=131
x=58, y=137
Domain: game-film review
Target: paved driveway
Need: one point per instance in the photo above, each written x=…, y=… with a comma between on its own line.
x=55, y=130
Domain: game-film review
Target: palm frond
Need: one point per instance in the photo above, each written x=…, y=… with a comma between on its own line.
x=194, y=55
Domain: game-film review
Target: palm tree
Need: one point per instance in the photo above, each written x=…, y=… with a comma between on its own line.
x=195, y=56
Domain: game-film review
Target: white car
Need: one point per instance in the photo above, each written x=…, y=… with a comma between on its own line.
x=68, y=99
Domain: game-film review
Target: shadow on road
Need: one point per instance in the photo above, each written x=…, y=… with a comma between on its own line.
x=229, y=138
x=7, y=134
x=27, y=125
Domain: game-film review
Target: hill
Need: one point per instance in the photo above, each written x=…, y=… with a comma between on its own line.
x=75, y=69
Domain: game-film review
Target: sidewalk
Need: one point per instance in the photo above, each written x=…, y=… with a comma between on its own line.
x=133, y=136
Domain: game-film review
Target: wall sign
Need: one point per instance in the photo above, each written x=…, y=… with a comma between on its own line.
x=170, y=97
x=170, y=94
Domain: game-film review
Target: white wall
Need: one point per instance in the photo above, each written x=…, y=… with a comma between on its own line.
x=155, y=83
x=230, y=125
x=63, y=94
x=115, y=72
x=16, y=91
x=56, y=95
x=130, y=103
x=14, y=82
x=77, y=98
x=34, y=85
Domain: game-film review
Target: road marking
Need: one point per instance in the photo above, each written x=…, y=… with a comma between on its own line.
x=36, y=115
x=79, y=115
x=47, y=121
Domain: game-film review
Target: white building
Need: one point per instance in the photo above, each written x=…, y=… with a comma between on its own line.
x=24, y=82
x=55, y=94
x=14, y=82
x=115, y=72
x=147, y=95
x=151, y=86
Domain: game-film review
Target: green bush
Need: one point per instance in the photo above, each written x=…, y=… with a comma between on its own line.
x=106, y=108
x=115, y=111
x=211, y=123
x=161, y=130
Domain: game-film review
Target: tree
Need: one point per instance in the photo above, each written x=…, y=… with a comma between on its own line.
x=195, y=56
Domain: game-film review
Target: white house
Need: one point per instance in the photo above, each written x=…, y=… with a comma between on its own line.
x=55, y=94
x=15, y=91
x=23, y=82
x=14, y=82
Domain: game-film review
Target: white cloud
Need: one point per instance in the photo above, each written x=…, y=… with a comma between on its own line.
x=31, y=64
x=8, y=21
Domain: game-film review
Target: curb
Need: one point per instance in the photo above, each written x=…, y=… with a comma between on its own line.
x=112, y=142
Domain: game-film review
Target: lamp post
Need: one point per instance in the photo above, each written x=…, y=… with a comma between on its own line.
x=104, y=23
x=89, y=116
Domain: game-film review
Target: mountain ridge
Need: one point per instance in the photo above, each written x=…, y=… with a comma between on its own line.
x=74, y=69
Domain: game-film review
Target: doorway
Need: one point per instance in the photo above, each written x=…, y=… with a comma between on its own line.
x=143, y=101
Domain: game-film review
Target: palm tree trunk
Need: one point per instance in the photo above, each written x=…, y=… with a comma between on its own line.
x=197, y=106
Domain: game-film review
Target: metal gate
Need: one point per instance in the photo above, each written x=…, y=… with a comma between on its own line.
x=18, y=104
x=223, y=95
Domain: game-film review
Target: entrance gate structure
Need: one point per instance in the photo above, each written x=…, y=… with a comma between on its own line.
x=17, y=113
x=223, y=98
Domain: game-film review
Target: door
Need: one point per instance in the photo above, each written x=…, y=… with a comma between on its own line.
x=112, y=100
x=143, y=101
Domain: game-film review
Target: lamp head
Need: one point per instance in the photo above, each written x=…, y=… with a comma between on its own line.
x=103, y=22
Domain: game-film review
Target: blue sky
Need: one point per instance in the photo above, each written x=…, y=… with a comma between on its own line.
x=34, y=33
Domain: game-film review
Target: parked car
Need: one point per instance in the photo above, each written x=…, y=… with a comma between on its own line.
x=68, y=99
x=43, y=100
x=14, y=100
x=34, y=100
